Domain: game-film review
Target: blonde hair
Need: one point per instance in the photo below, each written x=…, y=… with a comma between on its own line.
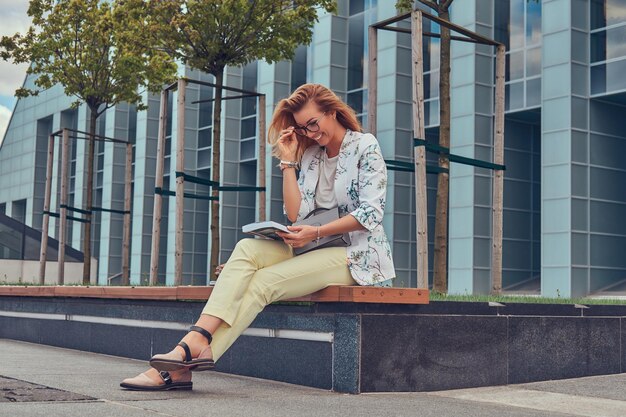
x=325, y=99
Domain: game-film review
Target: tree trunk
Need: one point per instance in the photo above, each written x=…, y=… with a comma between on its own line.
x=440, y=280
x=215, y=173
x=93, y=116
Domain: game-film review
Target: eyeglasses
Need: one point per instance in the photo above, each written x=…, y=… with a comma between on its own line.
x=310, y=127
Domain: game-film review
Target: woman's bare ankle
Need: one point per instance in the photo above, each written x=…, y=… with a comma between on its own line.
x=196, y=342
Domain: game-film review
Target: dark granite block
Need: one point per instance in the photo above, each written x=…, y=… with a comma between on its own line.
x=544, y=348
x=346, y=354
x=294, y=361
x=290, y=320
x=427, y=353
x=595, y=310
x=128, y=342
x=164, y=340
x=170, y=311
x=524, y=309
x=435, y=307
x=224, y=362
x=24, y=329
x=623, y=345
x=67, y=334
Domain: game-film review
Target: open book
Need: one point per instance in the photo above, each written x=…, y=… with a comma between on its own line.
x=266, y=229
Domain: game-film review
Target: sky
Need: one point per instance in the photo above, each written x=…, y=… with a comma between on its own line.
x=13, y=18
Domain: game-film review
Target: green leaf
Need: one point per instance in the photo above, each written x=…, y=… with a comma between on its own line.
x=101, y=52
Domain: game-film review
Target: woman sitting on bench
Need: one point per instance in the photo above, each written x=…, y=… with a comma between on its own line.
x=339, y=166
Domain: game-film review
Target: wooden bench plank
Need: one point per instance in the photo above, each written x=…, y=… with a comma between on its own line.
x=333, y=293
x=391, y=295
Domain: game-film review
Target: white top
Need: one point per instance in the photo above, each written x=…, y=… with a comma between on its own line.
x=325, y=193
x=360, y=189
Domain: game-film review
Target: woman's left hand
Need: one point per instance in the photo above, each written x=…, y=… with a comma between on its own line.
x=302, y=235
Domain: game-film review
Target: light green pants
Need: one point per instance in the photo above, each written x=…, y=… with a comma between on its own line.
x=260, y=272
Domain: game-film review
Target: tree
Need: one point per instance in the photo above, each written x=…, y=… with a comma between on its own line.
x=100, y=52
x=440, y=279
x=208, y=35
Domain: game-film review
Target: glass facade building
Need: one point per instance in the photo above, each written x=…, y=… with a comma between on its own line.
x=565, y=135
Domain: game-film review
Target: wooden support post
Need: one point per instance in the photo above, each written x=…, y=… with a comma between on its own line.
x=43, y=254
x=127, y=198
x=63, y=211
x=158, y=183
x=419, y=151
x=498, y=182
x=180, y=183
x=262, y=160
x=372, y=97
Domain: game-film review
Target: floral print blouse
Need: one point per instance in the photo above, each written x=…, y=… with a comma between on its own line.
x=360, y=187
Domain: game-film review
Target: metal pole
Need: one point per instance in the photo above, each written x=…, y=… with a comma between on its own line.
x=372, y=98
x=262, y=159
x=180, y=182
x=63, y=211
x=498, y=183
x=43, y=254
x=158, y=182
x=127, y=197
x=419, y=151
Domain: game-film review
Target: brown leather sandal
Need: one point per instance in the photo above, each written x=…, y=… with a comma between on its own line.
x=173, y=361
x=143, y=382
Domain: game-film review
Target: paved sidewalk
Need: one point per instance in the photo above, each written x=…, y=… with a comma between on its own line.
x=37, y=380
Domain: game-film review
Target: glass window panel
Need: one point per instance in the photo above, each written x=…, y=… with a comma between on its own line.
x=615, y=79
x=431, y=46
x=205, y=110
x=170, y=103
x=248, y=149
x=356, y=6
x=598, y=79
x=502, y=16
x=168, y=146
x=607, y=12
x=516, y=24
x=248, y=106
x=10, y=242
x=514, y=95
x=248, y=127
x=433, y=117
x=249, y=76
x=204, y=158
x=533, y=22
x=355, y=52
x=204, y=138
x=615, y=11
x=32, y=248
x=433, y=85
x=616, y=42
x=533, y=62
x=425, y=54
x=598, y=20
x=434, y=47
x=298, y=68
x=355, y=100
x=598, y=46
x=515, y=66
x=533, y=92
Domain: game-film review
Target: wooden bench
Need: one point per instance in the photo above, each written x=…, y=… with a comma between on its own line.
x=331, y=294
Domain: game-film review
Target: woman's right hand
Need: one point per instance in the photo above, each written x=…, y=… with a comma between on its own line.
x=288, y=144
